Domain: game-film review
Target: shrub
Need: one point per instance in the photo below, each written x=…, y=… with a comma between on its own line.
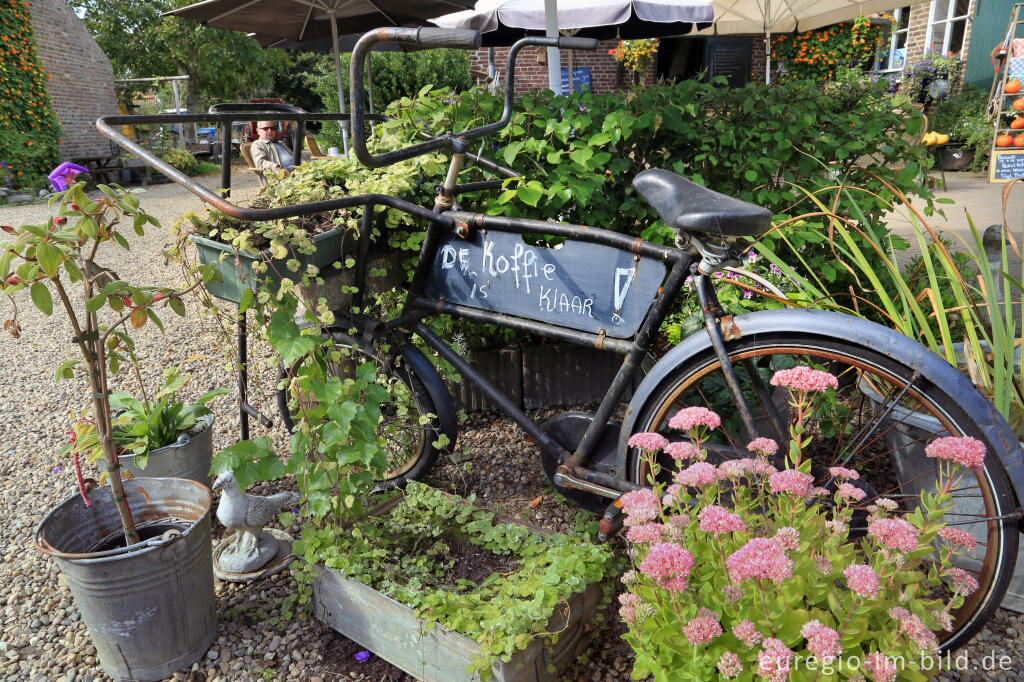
x=29, y=131
x=580, y=154
x=181, y=159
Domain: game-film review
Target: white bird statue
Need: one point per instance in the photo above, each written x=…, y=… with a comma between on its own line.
x=246, y=515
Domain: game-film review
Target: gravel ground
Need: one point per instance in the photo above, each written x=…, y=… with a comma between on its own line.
x=43, y=637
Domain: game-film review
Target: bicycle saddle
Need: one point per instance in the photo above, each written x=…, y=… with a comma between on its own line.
x=687, y=206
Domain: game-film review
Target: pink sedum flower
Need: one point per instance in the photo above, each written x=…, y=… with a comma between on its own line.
x=733, y=469
x=691, y=417
x=760, y=467
x=759, y=559
x=701, y=630
x=683, y=450
x=836, y=526
x=669, y=565
x=640, y=506
x=697, y=475
x=716, y=519
x=887, y=504
x=964, y=450
x=894, y=533
x=962, y=581
x=649, y=442
x=862, y=579
x=915, y=629
x=732, y=593
x=881, y=667
x=843, y=473
x=822, y=641
x=958, y=536
x=627, y=606
x=747, y=633
x=644, y=533
x=729, y=665
x=765, y=447
x=822, y=565
x=804, y=379
x=791, y=481
x=848, y=492
x=788, y=537
x=774, y=660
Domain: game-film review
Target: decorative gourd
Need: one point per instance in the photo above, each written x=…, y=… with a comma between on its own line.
x=1004, y=140
x=1012, y=86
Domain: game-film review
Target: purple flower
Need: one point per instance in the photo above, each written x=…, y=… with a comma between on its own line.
x=63, y=174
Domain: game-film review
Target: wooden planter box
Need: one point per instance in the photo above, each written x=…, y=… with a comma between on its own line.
x=394, y=632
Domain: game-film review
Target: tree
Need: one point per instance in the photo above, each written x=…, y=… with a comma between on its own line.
x=142, y=43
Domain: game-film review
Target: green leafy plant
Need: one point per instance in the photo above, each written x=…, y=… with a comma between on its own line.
x=142, y=426
x=932, y=77
x=408, y=552
x=744, y=569
x=63, y=251
x=182, y=159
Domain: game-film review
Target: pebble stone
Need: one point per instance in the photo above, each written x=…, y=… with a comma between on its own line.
x=44, y=638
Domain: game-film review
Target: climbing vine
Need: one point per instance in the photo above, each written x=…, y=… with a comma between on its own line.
x=818, y=55
x=29, y=130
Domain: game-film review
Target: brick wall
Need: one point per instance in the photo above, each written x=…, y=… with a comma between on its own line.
x=532, y=70
x=81, y=78
x=918, y=32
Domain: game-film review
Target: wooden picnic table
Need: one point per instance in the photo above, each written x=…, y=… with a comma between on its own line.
x=109, y=166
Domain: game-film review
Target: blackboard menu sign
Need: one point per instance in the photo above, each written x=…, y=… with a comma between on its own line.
x=1006, y=165
x=580, y=79
x=729, y=57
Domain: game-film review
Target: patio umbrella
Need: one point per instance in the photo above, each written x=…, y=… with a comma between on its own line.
x=785, y=16
x=502, y=22
x=310, y=20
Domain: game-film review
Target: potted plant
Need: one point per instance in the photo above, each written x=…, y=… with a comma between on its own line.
x=766, y=566
x=932, y=78
x=963, y=117
x=124, y=550
x=158, y=435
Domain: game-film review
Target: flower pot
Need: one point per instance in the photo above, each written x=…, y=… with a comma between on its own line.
x=955, y=158
x=149, y=608
x=906, y=434
x=237, y=271
x=190, y=457
x=431, y=653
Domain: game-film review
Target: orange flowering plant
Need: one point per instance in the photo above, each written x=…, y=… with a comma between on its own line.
x=29, y=131
x=819, y=54
x=635, y=55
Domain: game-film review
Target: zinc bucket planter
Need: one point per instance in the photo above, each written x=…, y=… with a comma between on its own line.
x=906, y=434
x=237, y=271
x=431, y=653
x=149, y=608
x=189, y=457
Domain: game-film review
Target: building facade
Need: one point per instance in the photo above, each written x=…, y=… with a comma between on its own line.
x=81, y=83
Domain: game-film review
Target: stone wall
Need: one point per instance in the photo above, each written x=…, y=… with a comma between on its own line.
x=81, y=78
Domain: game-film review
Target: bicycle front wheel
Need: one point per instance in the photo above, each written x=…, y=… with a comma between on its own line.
x=883, y=415
x=411, y=423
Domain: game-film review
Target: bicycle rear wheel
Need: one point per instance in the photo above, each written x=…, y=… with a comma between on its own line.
x=883, y=416
x=411, y=423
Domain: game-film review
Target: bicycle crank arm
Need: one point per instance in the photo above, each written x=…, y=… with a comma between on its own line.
x=564, y=479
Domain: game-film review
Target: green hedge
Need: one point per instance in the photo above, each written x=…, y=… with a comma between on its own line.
x=29, y=131
x=764, y=145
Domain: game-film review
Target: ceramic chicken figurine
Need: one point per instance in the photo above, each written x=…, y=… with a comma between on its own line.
x=246, y=515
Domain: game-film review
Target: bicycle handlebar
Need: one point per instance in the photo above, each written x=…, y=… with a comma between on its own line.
x=431, y=37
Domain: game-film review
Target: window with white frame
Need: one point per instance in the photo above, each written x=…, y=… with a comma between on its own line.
x=947, y=26
x=892, y=56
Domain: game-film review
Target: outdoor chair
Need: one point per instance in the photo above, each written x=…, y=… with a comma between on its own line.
x=314, y=148
x=245, y=149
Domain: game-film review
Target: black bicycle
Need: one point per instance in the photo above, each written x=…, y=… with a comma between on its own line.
x=612, y=291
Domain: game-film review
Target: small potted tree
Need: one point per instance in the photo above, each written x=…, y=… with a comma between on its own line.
x=124, y=550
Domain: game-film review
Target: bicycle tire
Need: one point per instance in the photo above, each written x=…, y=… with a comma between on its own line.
x=412, y=457
x=692, y=381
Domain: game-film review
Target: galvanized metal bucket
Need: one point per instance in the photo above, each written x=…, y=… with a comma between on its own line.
x=189, y=458
x=150, y=608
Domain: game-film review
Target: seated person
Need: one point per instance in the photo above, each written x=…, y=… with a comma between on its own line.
x=267, y=153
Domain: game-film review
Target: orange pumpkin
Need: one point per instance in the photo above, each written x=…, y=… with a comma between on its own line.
x=1018, y=122
x=1018, y=141
x=1019, y=103
x=1012, y=86
x=1004, y=140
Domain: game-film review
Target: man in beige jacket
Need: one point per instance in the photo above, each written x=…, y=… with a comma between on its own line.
x=267, y=153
